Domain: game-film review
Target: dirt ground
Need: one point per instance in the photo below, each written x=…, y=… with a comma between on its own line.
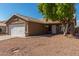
x=45, y=45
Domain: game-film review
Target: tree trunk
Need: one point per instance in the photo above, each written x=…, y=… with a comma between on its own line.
x=65, y=29
x=69, y=29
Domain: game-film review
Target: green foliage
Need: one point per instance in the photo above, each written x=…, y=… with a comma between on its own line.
x=48, y=10
x=57, y=11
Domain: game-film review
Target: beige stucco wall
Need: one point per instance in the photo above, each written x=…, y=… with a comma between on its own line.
x=36, y=28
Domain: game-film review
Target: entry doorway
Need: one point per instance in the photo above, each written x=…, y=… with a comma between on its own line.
x=51, y=29
x=54, y=30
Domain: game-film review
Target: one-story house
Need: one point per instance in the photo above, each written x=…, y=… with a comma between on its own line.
x=19, y=25
x=2, y=27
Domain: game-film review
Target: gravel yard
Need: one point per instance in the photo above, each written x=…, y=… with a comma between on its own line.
x=45, y=45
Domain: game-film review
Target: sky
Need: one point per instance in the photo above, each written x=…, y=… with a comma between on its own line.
x=26, y=9
x=77, y=13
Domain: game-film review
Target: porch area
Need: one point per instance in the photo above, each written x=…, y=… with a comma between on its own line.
x=54, y=29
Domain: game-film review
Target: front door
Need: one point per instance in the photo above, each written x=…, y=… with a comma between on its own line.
x=53, y=29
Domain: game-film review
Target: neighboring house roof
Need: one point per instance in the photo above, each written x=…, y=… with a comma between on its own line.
x=2, y=23
x=30, y=19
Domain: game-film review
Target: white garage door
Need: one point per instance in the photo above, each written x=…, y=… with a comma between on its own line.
x=17, y=30
x=53, y=29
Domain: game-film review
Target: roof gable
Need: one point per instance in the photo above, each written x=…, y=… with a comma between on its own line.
x=25, y=18
x=30, y=19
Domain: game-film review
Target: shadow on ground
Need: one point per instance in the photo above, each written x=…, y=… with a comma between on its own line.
x=45, y=35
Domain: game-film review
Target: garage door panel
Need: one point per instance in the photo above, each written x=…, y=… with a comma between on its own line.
x=17, y=30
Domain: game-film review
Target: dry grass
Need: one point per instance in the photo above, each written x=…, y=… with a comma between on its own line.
x=40, y=45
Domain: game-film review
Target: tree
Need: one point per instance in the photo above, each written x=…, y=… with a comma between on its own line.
x=65, y=14
x=48, y=10
x=58, y=11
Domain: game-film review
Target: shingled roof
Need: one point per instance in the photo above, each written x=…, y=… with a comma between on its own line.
x=50, y=21
x=31, y=19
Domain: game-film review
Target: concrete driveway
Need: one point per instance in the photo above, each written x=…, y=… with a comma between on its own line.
x=4, y=37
